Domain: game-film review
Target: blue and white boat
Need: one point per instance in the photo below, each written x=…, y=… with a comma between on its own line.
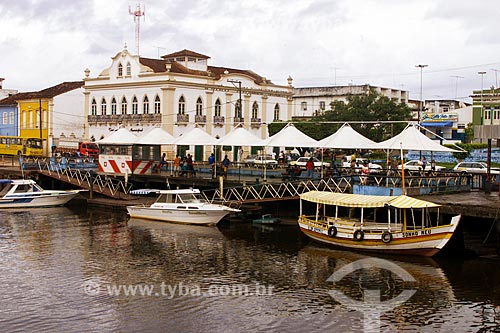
x=26, y=193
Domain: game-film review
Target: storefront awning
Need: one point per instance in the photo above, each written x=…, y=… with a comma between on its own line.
x=437, y=124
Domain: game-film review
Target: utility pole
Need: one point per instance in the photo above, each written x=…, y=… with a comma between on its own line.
x=239, y=106
x=456, y=84
x=496, y=77
x=421, y=109
x=482, y=113
x=40, y=121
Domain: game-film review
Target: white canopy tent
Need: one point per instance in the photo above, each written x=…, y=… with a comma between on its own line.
x=157, y=136
x=240, y=136
x=196, y=137
x=120, y=137
x=290, y=136
x=347, y=138
x=412, y=139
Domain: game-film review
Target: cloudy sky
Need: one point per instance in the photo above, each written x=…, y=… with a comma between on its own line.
x=317, y=42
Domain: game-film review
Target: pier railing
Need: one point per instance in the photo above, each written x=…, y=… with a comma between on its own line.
x=87, y=179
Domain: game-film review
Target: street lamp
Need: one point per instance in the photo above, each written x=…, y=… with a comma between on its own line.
x=421, y=101
x=482, y=114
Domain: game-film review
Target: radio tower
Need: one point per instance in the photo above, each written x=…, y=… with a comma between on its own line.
x=137, y=13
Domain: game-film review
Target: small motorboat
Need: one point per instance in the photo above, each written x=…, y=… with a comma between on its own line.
x=267, y=219
x=187, y=206
x=24, y=193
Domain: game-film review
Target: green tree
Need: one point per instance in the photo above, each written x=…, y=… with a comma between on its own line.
x=364, y=111
x=361, y=111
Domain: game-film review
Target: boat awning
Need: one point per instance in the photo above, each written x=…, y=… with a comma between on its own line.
x=364, y=201
x=404, y=201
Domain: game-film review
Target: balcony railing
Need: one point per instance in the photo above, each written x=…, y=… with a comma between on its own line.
x=255, y=122
x=200, y=119
x=219, y=121
x=238, y=120
x=124, y=118
x=182, y=119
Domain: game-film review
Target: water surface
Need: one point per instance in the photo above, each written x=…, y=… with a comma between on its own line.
x=64, y=270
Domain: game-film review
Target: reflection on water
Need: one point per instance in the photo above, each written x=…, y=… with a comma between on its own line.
x=58, y=267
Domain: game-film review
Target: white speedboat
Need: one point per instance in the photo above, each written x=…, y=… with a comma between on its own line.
x=26, y=193
x=187, y=206
x=399, y=224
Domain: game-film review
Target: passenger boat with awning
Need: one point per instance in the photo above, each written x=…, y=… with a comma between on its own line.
x=389, y=224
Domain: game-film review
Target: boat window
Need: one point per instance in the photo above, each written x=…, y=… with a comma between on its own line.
x=181, y=207
x=5, y=188
x=22, y=188
x=189, y=207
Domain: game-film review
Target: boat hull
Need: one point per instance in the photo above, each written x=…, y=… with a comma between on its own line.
x=42, y=200
x=423, y=242
x=184, y=216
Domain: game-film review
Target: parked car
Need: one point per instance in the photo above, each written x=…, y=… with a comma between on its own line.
x=374, y=167
x=301, y=162
x=266, y=160
x=475, y=167
x=249, y=160
x=414, y=165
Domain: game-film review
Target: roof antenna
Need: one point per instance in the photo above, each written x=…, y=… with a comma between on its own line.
x=137, y=13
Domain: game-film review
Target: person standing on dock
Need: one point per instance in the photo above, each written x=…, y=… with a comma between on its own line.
x=310, y=168
x=177, y=165
x=211, y=163
x=225, y=166
x=190, y=165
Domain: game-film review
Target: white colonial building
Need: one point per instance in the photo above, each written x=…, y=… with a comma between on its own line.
x=178, y=92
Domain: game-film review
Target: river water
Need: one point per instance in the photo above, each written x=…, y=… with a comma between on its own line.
x=65, y=270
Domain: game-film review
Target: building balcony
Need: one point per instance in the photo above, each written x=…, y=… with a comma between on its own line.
x=238, y=120
x=200, y=119
x=124, y=118
x=182, y=119
x=255, y=122
x=219, y=121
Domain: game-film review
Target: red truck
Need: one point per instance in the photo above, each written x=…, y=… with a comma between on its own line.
x=77, y=148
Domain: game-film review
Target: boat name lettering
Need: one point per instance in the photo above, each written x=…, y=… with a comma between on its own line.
x=417, y=233
x=315, y=229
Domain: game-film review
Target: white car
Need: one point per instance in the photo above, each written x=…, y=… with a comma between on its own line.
x=301, y=162
x=268, y=161
x=475, y=167
x=374, y=167
x=414, y=165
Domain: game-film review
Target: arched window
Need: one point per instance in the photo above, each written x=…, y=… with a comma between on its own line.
x=237, y=109
x=120, y=69
x=103, y=106
x=124, y=105
x=255, y=110
x=217, y=108
x=93, y=107
x=277, y=112
x=113, y=106
x=145, y=105
x=135, y=106
x=182, y=106
x=199, y=107
x=157, y=104
x=129, y=69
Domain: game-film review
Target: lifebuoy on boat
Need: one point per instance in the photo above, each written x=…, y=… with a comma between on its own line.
x=359, y=235
x=386, y=237
x=332, y=231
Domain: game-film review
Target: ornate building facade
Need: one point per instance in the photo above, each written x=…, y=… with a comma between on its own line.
x=178, y=92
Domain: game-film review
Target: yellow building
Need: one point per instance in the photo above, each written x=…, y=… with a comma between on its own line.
x=61, y=112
